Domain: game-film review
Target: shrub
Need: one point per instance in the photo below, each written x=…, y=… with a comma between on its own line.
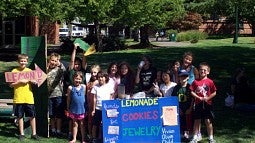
x=112, y=43
x=171, y=31
x=191, y=35
x=182, y=37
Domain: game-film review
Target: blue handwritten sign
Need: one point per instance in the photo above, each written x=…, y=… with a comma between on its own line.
x=145, y=120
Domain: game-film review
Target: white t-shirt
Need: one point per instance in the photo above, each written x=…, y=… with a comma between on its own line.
x=114, y=82
x=167, y=89
x=102, y=93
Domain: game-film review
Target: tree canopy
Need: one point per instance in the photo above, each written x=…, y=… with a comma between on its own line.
x=127, y=12
x=132, y=13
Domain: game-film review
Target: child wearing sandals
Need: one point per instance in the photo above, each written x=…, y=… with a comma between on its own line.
x=75, y=105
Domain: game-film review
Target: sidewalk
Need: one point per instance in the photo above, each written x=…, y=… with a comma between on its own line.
x=166, y=43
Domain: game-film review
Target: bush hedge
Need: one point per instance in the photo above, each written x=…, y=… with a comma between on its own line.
x=192, y=35
x=171, y=31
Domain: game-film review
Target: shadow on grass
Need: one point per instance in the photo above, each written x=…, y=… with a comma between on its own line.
x=230, y=125
x=7, y=128
x=238, y=126
x=223, y=60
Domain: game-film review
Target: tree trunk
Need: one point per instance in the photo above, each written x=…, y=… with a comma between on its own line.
x=98, y=36
x=135, y=35
x=114, y=31
x=253, y=27
x=144, y=36
x=70, y=29
x=127, y=32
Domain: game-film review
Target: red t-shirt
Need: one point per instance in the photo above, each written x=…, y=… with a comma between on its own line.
x=203, y=88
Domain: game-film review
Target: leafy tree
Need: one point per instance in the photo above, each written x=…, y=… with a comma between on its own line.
x=46, y=10
x=55, y=10
x=247, y=12
x=12, y=8
x=133, y=13
x=96, y=12
x=154, y=13
x=191, y=21
x=137, y=14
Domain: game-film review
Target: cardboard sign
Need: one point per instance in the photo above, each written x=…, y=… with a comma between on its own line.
x=145, y=120
x=82, y=44
x=91, y=50
x=37, y=75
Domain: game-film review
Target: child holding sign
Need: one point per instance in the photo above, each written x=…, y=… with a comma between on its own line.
x=76, y=104
x=76, y=64
x=23, y=98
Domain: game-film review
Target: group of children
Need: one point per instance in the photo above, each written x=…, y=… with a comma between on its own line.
x=82, y=99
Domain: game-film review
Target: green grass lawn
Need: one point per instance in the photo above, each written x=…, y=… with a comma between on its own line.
x=231, y=126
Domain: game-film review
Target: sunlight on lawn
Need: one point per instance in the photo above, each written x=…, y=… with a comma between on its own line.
x=231, y=126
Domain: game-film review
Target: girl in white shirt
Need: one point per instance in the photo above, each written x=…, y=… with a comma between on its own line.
x=100, y=91
x=166, y=88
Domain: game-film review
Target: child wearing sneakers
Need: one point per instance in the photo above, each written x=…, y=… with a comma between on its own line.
x=186, y=101
x=55, y=76
x=203, y=90
x=23, y=98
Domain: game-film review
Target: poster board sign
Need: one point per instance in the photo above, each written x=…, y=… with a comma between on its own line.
x=82, y=44
x=145, y=120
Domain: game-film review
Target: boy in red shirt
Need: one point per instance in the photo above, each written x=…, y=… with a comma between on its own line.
x=203, y=90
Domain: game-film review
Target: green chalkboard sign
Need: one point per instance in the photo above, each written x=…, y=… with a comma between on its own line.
x=36, y=49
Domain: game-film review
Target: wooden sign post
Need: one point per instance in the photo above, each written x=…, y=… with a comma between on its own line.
x=36, y=49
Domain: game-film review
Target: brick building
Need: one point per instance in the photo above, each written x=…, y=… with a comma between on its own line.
x=213, y=27
x=11, y=30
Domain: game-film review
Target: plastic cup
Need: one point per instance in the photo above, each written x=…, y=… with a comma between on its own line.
x=141, y=64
